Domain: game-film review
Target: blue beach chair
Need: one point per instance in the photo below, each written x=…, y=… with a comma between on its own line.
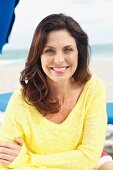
x=110, y=112
x=4, y=99
x=108, y=146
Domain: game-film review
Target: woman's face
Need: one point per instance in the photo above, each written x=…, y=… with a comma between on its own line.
x=60, y=56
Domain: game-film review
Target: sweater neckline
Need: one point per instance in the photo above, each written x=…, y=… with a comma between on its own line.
x=52, y=123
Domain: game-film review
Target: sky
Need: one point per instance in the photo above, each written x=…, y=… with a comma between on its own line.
x=94, y=16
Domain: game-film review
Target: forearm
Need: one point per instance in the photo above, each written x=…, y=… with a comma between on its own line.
x=2, y=167
x=75, y=159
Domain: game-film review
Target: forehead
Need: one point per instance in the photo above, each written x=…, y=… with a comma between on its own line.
x=58, y=36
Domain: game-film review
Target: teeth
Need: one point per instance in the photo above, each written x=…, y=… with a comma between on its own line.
x=59, y=69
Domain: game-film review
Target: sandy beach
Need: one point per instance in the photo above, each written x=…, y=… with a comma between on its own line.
x=9, y=75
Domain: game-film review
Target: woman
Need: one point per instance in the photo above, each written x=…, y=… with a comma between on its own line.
x=57, y=120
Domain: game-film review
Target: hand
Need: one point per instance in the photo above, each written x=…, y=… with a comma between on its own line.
x=9, y=151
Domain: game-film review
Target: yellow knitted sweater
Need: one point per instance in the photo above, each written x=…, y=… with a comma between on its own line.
x=75, y=144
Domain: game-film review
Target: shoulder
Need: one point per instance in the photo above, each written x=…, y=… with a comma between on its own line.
x=16, y=97
x=94, y=88
x=19, y=109
x=17, y=101
x=18, y=105
x=95, y=83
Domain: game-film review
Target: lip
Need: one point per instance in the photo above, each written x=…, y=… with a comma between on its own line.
x=60, y=69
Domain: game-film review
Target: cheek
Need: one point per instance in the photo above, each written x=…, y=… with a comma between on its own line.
x=45, y=63
x=45, y=60
x=74, y=62
x=74, y=59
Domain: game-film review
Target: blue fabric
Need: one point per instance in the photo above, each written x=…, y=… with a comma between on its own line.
x=4, y=99
x=110, y=112
x=7, y=18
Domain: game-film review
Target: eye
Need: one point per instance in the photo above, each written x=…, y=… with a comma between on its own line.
x=67, y=50
x=49, y=51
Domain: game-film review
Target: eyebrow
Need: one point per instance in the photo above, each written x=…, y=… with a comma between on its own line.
x=54, y=47
x=68, y=46
x=49, y=47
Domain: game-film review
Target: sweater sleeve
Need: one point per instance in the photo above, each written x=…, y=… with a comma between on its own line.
x=89, y=151
x=11, y=129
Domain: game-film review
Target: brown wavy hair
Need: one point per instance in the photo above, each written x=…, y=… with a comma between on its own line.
x=33, y=79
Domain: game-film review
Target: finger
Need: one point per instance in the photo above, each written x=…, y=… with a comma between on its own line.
x=4, y=162
x=10, y=145
x=19, y=141
x=8, y=151
x=7, y=157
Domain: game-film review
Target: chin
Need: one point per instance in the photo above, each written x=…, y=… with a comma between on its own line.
x=61, y=79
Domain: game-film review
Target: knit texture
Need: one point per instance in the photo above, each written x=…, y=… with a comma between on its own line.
x=74, y=144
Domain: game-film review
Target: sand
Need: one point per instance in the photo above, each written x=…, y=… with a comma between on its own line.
x=104, y=69
x=9, y=75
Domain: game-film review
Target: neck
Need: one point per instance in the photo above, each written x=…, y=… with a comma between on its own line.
x=60, y=90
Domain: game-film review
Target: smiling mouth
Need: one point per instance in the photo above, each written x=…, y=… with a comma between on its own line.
x=59, y=68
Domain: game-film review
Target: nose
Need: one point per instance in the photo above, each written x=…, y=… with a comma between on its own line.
x=59, y=58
